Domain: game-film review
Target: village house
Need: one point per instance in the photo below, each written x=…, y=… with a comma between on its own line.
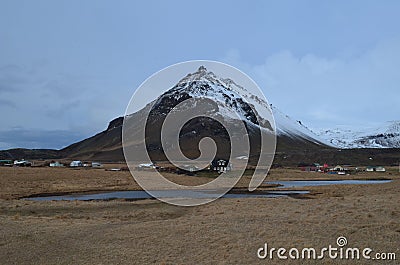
x=97, y=164
x=370, y=169
x=380, y=169
x=375, y=169
x=220, y=165
x=315, y=167
x=22, y=163
x=146, y=166
x=6, y=162
x=76, y=163
x=55, y=164
x=338, y=168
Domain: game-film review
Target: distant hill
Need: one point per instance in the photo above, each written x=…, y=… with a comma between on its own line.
x=21, y=153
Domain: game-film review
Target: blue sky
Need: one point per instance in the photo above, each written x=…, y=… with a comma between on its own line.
x=68, y=67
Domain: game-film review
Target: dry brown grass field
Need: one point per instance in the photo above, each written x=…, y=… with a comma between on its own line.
x=227, y=231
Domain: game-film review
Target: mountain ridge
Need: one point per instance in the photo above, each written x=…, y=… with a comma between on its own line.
x=385, y=135
x=290, y=152
x=228, y=99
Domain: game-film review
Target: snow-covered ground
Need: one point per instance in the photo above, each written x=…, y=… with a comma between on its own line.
x=386, y=135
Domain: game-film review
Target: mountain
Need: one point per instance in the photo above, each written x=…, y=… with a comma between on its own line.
x=224, y=99
x=386, y=135
x=229, y=101
x=103, y=146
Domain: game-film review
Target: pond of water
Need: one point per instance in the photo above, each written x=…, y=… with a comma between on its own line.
x=312, y=183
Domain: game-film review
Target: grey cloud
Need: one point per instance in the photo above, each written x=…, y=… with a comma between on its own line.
x=325, y=91
x=7, y=103
x=24, y=138
x=67, y=85
x=63, y=108
x=14, y=78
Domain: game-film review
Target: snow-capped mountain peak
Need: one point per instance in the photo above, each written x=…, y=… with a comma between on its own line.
x=232, y=100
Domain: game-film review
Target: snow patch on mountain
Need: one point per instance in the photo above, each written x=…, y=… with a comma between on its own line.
x=233, y=100
x=289, y=127
x=386, y=135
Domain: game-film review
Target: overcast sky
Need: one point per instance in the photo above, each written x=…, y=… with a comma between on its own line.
x=68, y=67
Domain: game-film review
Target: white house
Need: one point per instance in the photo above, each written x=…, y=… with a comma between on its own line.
x=96, y=164
x=146, y=166
x=221, y=165
x=377, y=169
x=56, y=164
x=370, y=169
x=338, y=168
x=22, y=163
x=76, y=163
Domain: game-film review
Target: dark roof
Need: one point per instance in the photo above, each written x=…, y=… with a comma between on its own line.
x=220, y=163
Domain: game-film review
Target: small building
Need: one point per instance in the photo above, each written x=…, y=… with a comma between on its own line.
x=370, y=169
x=6, y=162
x=312, y=167
x=308, y=169
x=380, y=169
x=76, y=163
x=316, y=165
x=338, y=168
x=220, y=165
x=96, y=164
x=55, y=164
x=146, y=166
x=22, y=163
x=376, y=169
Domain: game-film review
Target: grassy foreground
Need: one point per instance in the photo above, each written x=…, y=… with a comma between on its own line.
x=227, y=231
